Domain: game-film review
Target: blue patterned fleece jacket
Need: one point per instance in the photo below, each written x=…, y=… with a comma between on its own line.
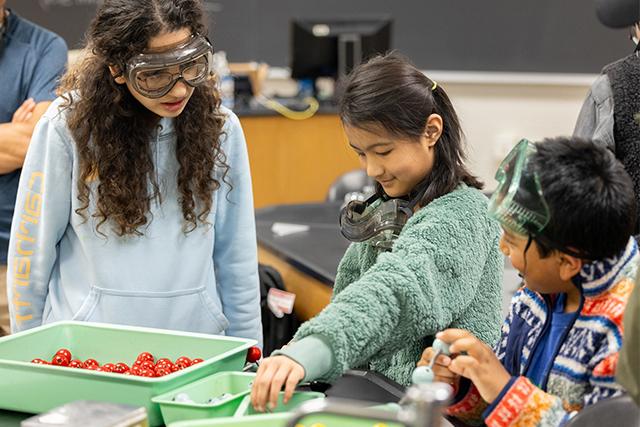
x=583, y=370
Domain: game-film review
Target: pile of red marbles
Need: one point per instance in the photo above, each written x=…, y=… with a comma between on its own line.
x=145, y=365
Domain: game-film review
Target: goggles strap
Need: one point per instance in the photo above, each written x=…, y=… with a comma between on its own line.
x=418, y=193
x=578, y=254
x=526, y=248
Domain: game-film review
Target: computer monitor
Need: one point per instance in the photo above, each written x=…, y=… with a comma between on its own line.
x=332, y=47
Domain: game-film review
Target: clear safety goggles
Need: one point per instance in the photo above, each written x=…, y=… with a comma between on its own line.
x=377, y=222
x=518, y=203
x=153, y=74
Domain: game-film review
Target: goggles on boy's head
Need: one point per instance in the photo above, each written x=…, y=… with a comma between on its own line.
x=153, y=74
x=518, y=203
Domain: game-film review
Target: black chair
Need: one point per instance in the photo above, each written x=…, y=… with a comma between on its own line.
x=618, y=411
x=276, y=331
x=349, y=182
x=357, y=384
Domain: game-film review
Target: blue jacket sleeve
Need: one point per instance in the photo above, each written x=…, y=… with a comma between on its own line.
x=50, y=67
x=235, y=253
x=43, y=206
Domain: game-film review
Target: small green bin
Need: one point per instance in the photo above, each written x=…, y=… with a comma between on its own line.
x=267, y=420
x=298, y=398
x=32, y=388
x=236, y=384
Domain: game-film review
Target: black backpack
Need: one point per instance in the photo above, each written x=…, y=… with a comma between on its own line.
x=276, y=331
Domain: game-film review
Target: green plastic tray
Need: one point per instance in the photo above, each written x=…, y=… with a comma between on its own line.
x=269, y=420
x=298, y=398
x=28, y=387
x=280, y=420
x=237, y=384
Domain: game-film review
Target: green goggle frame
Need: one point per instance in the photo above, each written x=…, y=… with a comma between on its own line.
x=518, y=202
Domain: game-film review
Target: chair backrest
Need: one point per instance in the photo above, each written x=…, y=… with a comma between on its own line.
x=618, y=411
x=349, y=182
x=276, y=331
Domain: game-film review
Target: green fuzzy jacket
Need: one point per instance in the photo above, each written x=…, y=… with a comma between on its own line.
x=444, y=271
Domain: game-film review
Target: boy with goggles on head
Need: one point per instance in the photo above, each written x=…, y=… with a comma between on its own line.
x=135, y=203
x=568, y=211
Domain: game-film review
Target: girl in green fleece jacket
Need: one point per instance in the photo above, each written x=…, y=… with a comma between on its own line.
x=444, y=269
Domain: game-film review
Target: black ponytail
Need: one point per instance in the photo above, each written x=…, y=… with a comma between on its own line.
x=389, y=92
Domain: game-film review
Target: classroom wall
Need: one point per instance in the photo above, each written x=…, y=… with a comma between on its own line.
x=562, y=36
x=498, y=109
x=496, y=116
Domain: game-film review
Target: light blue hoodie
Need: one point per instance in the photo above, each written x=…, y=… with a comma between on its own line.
x=60, y=268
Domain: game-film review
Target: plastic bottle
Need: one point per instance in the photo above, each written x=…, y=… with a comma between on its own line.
x=225, y=78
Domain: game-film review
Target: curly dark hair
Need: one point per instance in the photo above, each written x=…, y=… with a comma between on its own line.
x=113, y=131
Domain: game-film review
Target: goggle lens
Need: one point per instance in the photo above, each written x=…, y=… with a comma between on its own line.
x=159, y=80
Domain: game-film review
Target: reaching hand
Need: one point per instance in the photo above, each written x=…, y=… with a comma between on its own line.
x=24, y=112
x=273, y=373
x=479, y=364
x=441, y=371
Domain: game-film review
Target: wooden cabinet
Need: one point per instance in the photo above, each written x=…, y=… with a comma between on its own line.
x=295, y=161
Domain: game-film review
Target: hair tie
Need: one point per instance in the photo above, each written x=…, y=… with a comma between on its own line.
x=435, y=85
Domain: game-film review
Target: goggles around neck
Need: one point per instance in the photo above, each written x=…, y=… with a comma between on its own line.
x=375, y=220
x=153, y=74
x=379, y=220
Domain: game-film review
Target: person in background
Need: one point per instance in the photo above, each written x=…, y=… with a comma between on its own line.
x=567, y=210
x=610, y=114
x=425, y=254
x=135, y=204
x=32, y=60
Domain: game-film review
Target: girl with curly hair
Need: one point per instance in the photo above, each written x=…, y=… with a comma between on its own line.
x=135, y=203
